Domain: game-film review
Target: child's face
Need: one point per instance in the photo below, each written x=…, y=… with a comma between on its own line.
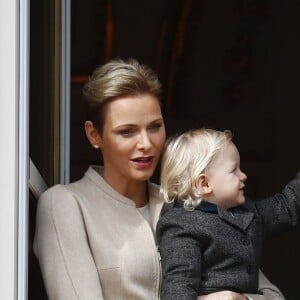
x=225, y=178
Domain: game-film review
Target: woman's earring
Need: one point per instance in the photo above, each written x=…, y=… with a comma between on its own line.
x=96, y=146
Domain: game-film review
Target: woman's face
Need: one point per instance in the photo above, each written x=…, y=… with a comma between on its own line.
x=132, y=139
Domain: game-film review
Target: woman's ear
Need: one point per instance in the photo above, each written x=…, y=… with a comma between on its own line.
x=92, y=134
x=203, y=184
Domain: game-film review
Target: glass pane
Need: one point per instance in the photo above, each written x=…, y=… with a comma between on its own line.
x=43, y=118
x=42, y=87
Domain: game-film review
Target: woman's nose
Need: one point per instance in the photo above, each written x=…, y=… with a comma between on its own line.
x=144, y=142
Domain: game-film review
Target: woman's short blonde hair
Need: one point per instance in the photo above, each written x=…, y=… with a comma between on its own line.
x=118, y=78
x=186, y=156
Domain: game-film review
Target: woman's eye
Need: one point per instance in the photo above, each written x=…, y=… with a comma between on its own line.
x=126, y=132
x=155, y=127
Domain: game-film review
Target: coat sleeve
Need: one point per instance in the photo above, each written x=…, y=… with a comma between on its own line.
x=181, y=261
x=62, y=248
x=268, y=290
x=282, y=211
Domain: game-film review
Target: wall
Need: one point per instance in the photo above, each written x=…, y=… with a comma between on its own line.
x=225, y=64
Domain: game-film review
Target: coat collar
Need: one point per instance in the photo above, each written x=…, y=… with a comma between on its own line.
x=239, y=216
x=156, y=202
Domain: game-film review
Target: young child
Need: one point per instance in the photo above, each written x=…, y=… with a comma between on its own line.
x=211, y=239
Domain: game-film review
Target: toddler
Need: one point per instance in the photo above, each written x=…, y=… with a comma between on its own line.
x=211, y=239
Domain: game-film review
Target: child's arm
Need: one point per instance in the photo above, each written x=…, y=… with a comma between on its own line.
x=181, y=261
x=281, y=211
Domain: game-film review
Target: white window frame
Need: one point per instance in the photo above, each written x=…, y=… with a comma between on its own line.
x=65, y=108
x=14, y=131
x=12, y=158
x=23, y=148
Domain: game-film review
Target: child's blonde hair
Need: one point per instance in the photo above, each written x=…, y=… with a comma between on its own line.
x=186, y=156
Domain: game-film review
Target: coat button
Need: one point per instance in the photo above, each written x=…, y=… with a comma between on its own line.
x=249, y=269
x=245, y=241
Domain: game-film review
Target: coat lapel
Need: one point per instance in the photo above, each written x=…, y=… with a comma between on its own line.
x=237, y=218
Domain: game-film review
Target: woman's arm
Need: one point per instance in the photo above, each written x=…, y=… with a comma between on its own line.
x=268, y=290
x=61, y=246
x=223, y=295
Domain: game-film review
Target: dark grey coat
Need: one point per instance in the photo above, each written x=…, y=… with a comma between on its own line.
x=211, y=249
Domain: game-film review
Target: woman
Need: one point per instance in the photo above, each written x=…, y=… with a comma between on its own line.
x=95, y=237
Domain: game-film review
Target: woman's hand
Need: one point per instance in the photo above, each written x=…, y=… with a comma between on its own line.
x=223, y=295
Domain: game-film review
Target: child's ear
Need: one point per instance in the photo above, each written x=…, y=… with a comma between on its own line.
x=203, y=184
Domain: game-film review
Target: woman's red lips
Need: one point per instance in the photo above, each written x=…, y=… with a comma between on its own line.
x=143, y=162
x=143, y=159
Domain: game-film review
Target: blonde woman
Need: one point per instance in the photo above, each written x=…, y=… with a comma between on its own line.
x=95, y=238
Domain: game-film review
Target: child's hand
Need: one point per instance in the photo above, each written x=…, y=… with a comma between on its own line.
x=224, y=295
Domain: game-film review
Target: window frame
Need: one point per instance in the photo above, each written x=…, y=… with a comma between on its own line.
x=18, y=172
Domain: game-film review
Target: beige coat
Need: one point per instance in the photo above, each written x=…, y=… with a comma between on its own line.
x=93, y=244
